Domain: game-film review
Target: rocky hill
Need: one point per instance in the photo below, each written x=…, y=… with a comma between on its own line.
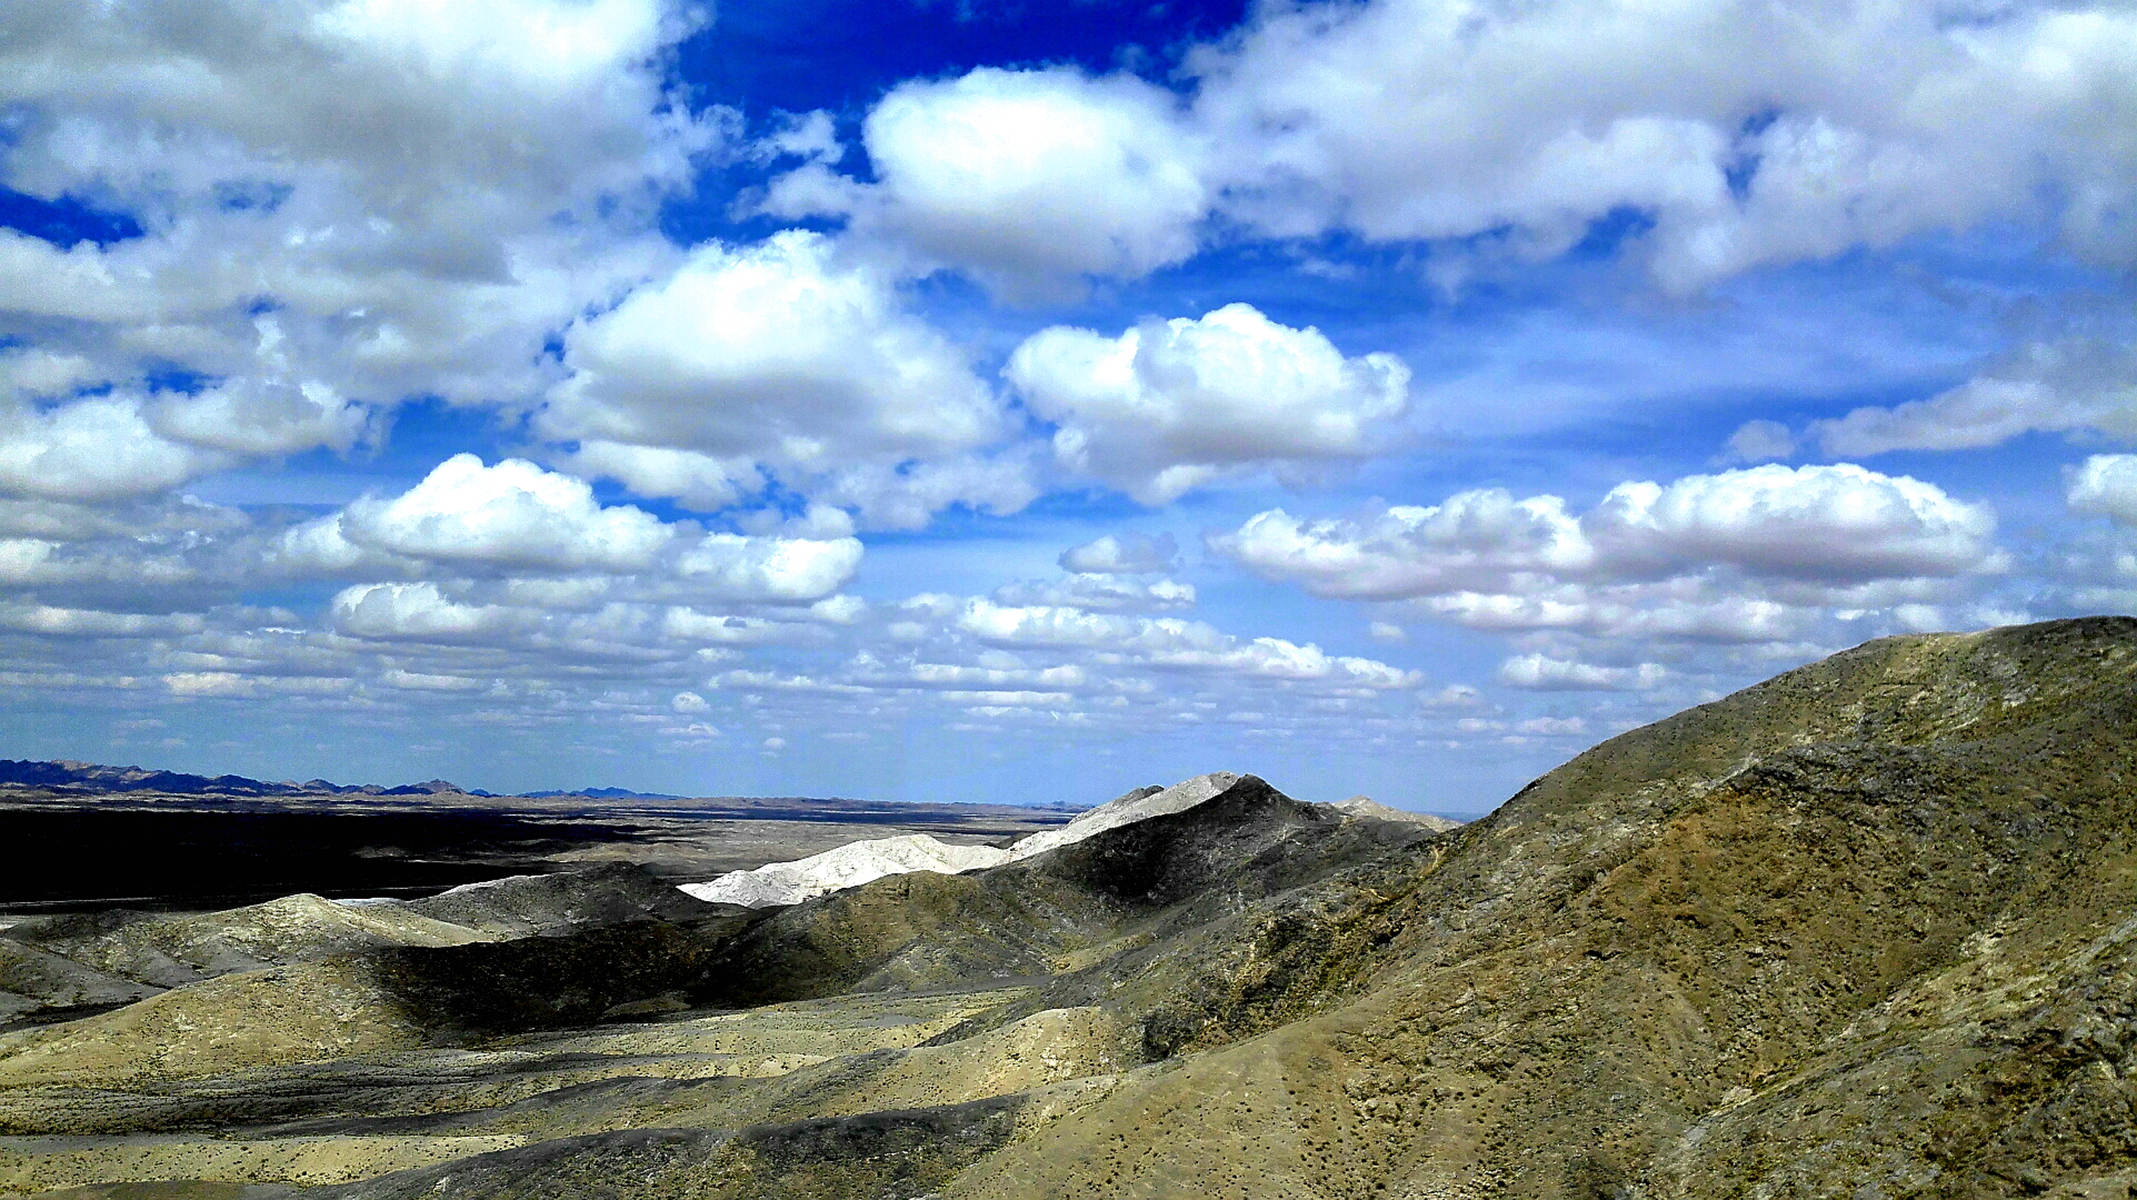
x=1863, y=930
x=860, y=862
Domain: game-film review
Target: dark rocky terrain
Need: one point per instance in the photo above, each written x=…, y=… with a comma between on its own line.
x=1868, y=929
x=193, y=851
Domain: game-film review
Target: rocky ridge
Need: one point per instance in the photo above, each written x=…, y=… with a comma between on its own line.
x=860, y=862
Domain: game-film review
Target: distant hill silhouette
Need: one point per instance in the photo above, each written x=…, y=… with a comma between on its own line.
x=600, y=793
x=96, y=777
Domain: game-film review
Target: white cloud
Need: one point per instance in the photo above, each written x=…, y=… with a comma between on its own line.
x=781, y=354
x=1873, y=123
x=1407, y=550
x=2106, y=485
x=1758, y=441
x=97, y=449
x=486, y=92
x=1278, y=658
x=1553, y=727
x=810, y=136
x=1058, y=626
x=839, y=610
x=2054, y=387
x=704, y=482
x=25, y=560
x=210, y=683
x=340, y=203
x=514, y=514
x=1542, y=673
x=1170, y=406
x=57, y=621
x=1123, y=554
x=689, y=702
x=1024, y=178
x=416, y=612
x=1747, y=134
x=688, y=625
x=778, y=570
x=776, y=351
x=419, y=681
x=32, y=373
x=1838, y=524
x=1697, y=607
x=256, y=418
x=1108, y=592
x=906, y=496
x=1171, y=643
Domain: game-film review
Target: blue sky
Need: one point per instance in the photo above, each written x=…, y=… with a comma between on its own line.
x=1008, y=402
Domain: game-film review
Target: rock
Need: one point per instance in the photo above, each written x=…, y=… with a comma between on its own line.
x=848, y=866
x=860, y=862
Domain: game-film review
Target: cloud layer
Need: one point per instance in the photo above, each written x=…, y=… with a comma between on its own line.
x=1390, y=379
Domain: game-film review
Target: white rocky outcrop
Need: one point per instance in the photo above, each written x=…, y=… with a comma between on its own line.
x=857, y=863
x=850, y=865
x=1139, y=805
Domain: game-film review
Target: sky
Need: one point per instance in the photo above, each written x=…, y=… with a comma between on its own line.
x=1016, y=402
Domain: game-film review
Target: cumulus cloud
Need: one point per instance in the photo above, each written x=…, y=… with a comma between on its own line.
x=2106, y=485
x=1758, y=441
x=1838, y=524
x=1104, y=592
x=56, y=621
x=315, y=259
x=782, y=354
x=777, y=350
x=1748, y=134
x=1542, y=673
x=1025, y=178
x=514, y=514
x=421, y=681
x=1749, y=566
x=1408, y=550
x=704, y=482
x=1841, y=523
x=774, y=569
x=2051, y=387
x=1170, y=406
x=1122, y=554
x=907, y=495
x=1170, y=642
x=98, y=449
x=262, y=418
x=1743, y=135
x=415, y=612
x=1697, y=607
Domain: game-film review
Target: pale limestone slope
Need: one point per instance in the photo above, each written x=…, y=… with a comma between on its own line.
x=861, y=862
x=1126, y=811
x=847, y=866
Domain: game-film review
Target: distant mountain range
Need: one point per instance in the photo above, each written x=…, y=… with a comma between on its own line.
x=601, y=793
x=96, y=777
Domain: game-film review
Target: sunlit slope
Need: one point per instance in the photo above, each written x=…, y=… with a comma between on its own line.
x=1687, y=962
